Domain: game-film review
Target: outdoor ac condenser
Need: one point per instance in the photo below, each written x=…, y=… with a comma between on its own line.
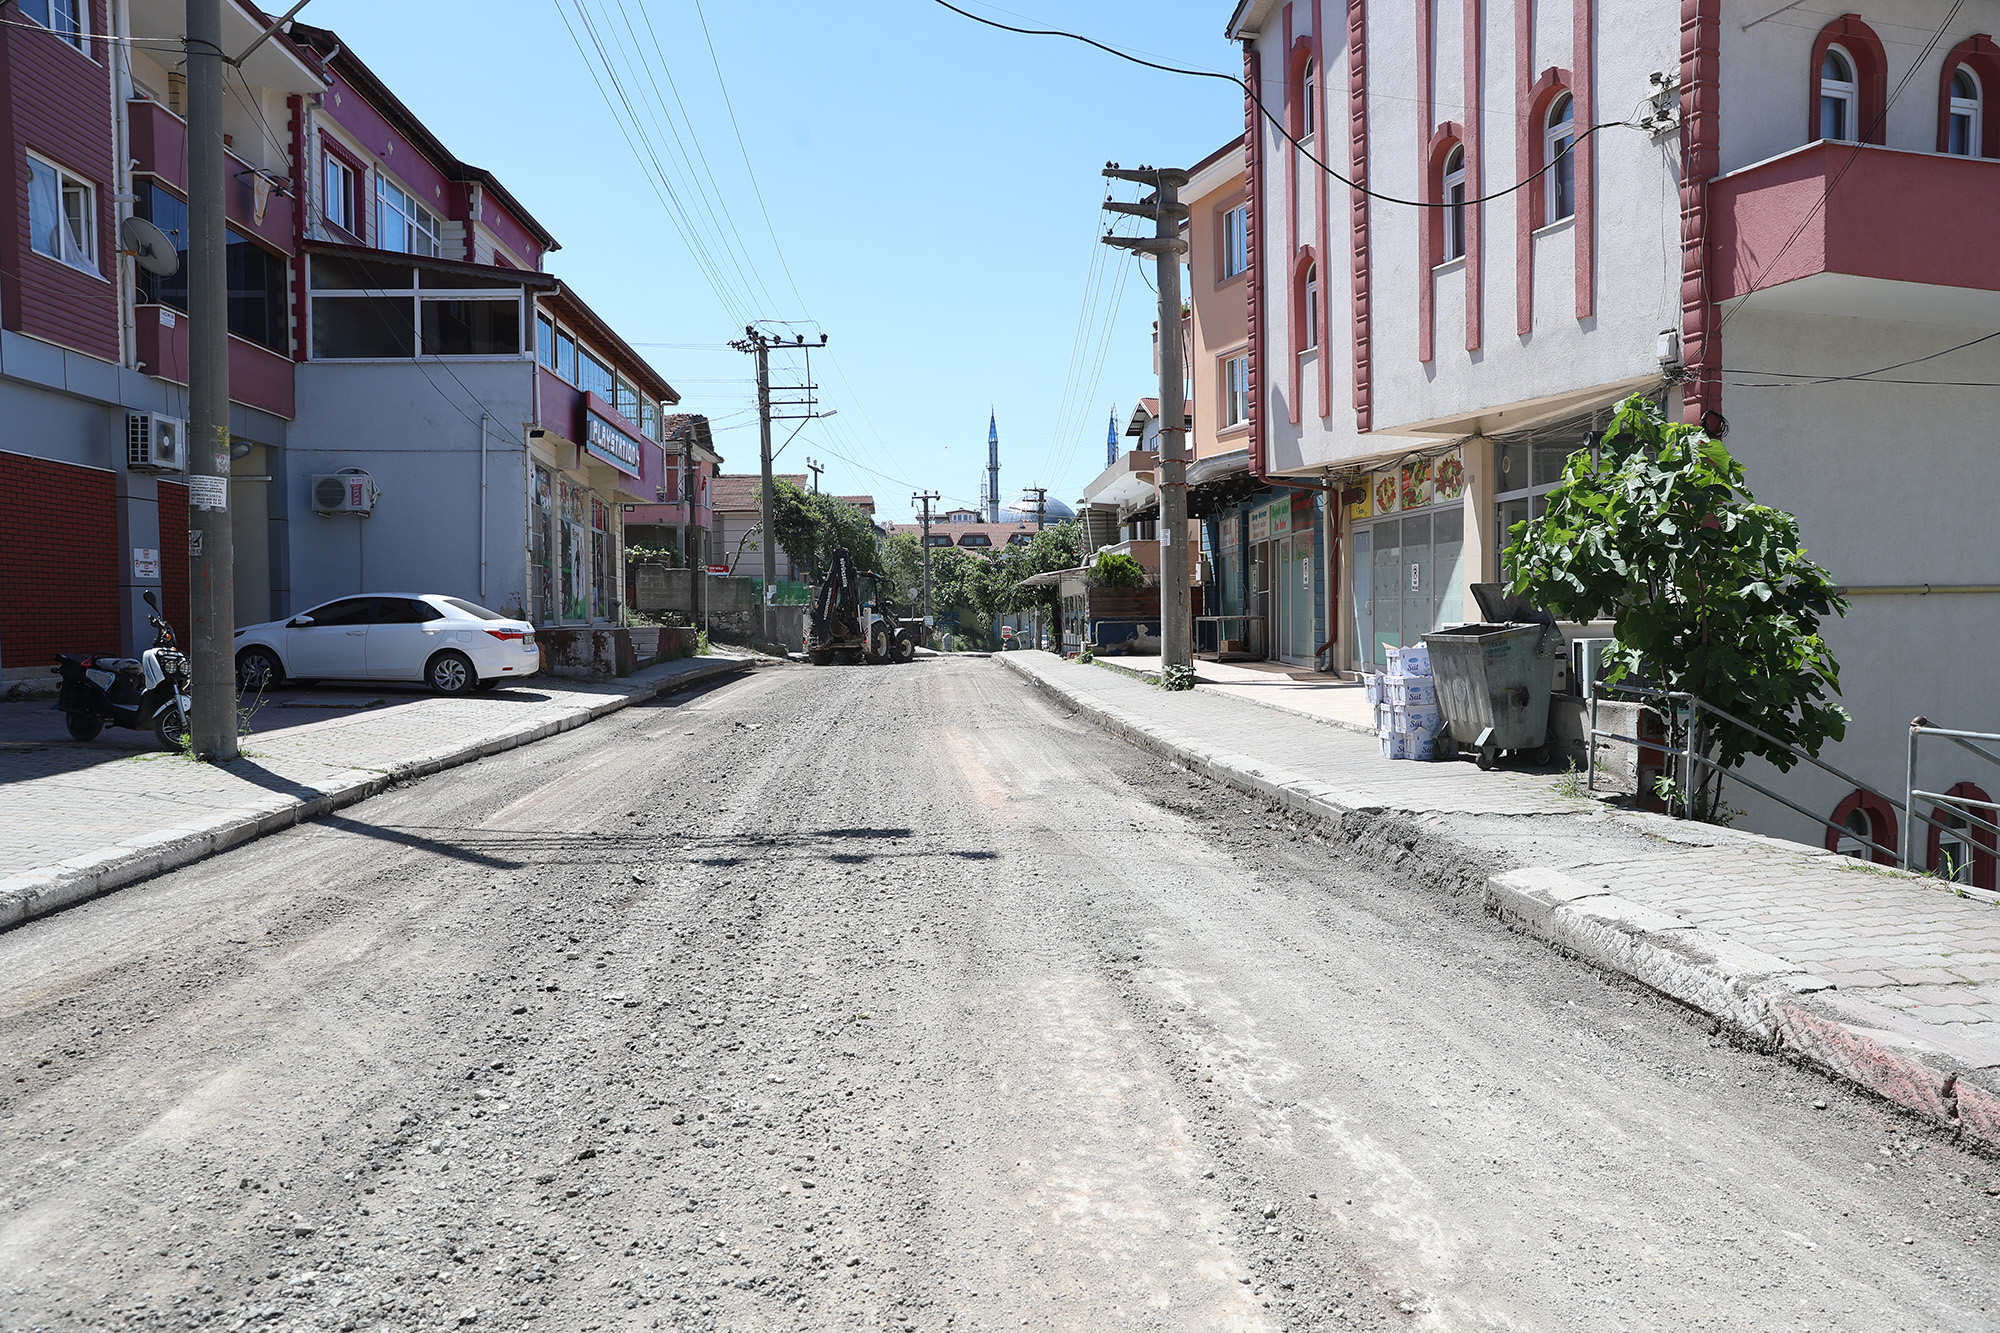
x=351, y=491
x=155, y=442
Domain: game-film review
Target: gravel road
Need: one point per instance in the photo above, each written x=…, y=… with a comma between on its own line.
x=891, y=998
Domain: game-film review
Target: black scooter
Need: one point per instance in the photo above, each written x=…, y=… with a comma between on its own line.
x=148, y=694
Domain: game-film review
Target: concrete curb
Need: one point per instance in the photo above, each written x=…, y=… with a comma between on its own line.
x=1760, y=998
x=44, y=889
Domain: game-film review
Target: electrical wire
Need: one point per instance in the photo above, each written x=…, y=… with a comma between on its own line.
x=1278, y=125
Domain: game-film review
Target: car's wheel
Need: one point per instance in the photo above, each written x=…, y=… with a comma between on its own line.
x=83, y=726
x=258, y=669
x=451, y=673
x=169, y=729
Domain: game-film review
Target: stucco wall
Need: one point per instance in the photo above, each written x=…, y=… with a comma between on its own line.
x=415, y=430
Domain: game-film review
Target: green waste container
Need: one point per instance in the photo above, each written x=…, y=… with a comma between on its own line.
x=1494, y=679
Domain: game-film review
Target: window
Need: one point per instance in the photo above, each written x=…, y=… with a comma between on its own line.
x=1965, y=114
x=1236, y=391
x=565, y=355
x=1527, y=473
x=62, y=216
x=1558, y=152
x=1310, y=339
x=938, y=539
x=337, y=195
x=593, y=376
x=349, y=611
x=649, y=419
x=363, y=310
x=1020, y=539
x=259, y=300
x=1839, y=96
x=64, y=18
x=1235, y=240
x=402, y=223
x=1308, y=101
x=975, y=539
x=627, y=401
x=1453, y=197
x=545, y=341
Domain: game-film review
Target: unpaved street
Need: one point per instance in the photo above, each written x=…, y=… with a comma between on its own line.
x=890, y=998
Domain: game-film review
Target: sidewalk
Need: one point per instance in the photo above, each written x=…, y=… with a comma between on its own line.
x=77, y=820
x=1274, y=685
x=1888, y=980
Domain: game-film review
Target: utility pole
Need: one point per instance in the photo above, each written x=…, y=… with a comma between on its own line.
x=1166, y=247
x=925, y=498
x=211, y=557
x=1041, y=494
x=758, y=343
x=815, y=468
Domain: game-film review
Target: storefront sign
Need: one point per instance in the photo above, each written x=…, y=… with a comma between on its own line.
x=145, y=562
x=1386, y=487
x=1416, y=483
x=1231, y=528
x=1365, y=506
x=605, y=439
x=1260, y=524
x=1281, y=517
x=1448, y=477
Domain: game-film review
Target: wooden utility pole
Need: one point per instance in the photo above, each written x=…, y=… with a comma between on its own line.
x=1166, y=247
x=925, y=498
x=815, y=468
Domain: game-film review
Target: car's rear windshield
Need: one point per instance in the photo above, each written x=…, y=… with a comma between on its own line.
x=472, y=608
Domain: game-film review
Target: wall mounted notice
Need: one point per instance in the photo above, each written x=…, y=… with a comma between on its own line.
x=145, y=562
x=208, y=492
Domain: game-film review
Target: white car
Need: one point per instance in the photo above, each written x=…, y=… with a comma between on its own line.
x=448, y=643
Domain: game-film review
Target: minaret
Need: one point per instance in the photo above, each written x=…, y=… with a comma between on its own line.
x=993, y=468
x=1111, y=438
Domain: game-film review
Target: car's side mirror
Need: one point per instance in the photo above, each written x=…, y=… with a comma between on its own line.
x=149, y=599
x=298, y=622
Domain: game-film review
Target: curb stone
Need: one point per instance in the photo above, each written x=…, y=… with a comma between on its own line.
x=1770, y=1003
x=1274, y=706
x=44, y=889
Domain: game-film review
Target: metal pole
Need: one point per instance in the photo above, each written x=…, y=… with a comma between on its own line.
x=1175, y=628
x=1909, y=786
x=770, y=488
x=926, y=497
x=211, y=590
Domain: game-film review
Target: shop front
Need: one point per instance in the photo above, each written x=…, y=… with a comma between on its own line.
x=1407, y=564
x=1269, y=582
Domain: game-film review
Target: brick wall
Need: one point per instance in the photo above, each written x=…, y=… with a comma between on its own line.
x=173, y=508
x=59, y=546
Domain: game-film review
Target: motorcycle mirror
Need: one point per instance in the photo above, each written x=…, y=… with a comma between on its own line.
x=149, y=599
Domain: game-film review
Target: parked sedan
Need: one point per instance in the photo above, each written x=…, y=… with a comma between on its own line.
x=447, y=642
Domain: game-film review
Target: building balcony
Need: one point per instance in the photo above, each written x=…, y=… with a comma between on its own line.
x=1836, y=229
x=258, y=377
x=1127, y=482
x=159, y=146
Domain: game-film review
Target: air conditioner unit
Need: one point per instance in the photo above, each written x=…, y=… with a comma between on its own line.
x=155, y=443
x=347, y=492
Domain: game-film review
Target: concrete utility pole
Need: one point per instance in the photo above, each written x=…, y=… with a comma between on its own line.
x=211, y=557
x=925, y=498
x=759, y=343
x=1041, y=494
x=815, y=468
x=1167, y=247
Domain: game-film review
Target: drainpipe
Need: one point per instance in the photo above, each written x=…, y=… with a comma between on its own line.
x=482, y=509
x=121, y=92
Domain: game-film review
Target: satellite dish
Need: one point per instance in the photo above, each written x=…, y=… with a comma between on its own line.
x=152, y=248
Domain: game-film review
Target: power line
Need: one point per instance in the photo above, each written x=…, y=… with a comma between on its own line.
x=1278, y=125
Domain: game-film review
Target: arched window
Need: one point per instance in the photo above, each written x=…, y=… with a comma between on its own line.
x=1559, y=153
x=1839, y=97
x=1452, y=194
x=1309, y=100
x=1965, y=114
x=1311, y=338
x=1960, y=851
x=1864, y=816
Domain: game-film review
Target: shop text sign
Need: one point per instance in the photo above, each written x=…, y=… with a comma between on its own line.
x=607, y=440
x=1260, y=524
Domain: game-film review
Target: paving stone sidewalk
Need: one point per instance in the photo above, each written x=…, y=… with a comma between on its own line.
x=1887, y=979
x=78, y=819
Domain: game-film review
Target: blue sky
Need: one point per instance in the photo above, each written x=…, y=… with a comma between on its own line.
x=932, y=184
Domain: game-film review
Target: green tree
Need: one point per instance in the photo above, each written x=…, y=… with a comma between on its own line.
x=1051, y=549
x=903, y=570
x=1712, y=592
x=812, y=527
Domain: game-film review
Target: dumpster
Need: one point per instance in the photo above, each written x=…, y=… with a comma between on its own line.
x=1494, y=679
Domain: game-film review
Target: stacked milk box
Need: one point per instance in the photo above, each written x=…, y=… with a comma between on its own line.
x=1406, y=706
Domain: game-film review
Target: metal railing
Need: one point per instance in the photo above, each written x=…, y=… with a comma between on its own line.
x=1961, y=806
x=1686, y=722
